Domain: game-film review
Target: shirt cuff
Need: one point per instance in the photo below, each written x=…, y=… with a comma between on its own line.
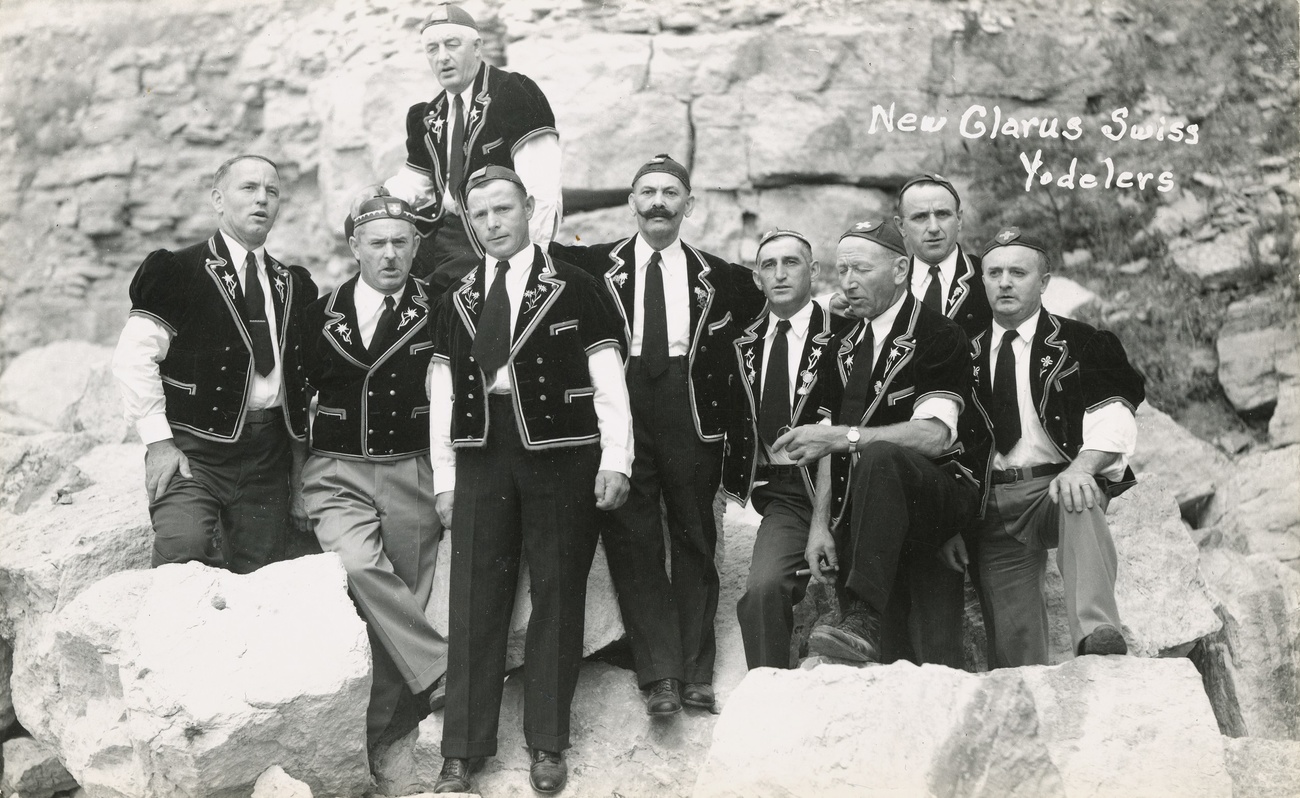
x=615, y=458
x=943, y=410
x=153, y=428
x=444, y=479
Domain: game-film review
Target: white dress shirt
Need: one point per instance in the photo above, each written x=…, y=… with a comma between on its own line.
x=536, y=161
x=943, y=409
x=605, y=367
x=947, y=273
x=677, y=298
x=1110, y=428
x=369, y=305
x=144, y=344
x=795, y=337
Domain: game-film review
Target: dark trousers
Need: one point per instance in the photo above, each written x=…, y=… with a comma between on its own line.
x=445, y=256
x=234, y=511
x=766, y=611
x=511, y=502
x=669, y=622
x=903, y=505
x=923, y=620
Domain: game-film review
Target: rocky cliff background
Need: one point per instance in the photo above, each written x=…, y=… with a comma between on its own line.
x=113, y=114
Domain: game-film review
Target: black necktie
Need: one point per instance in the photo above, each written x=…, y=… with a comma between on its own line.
x=774, y=414
x=492, y=340
x=383, y=327
x=456, y=167
x=934, y=294
x=258, y=330
x=654, y=332
x=854, y=402
x=1006, y=410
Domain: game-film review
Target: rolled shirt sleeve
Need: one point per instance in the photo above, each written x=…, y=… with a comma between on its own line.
x=943, y=409
x=412, y=185
x=537, y=162
x=613, y=410
x=441, y=400
x=142, y=346
x=1111, y=428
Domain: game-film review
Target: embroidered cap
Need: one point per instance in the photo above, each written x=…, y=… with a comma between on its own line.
x=382, y=208
x=881, y=232
x=448, y=14
x=663, y=162
x=493, y=172
x=931, y=177
x=779, y=233
x=1013, y=237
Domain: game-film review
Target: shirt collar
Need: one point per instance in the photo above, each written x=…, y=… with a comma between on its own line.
x=1025, y=329
x=668, y=255
x=367, y=300
x=238, y=253
x=882, y=324
x=798, y=322
x=947, y=267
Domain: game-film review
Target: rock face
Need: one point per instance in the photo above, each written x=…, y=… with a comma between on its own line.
x=30, y=464
x=6, y=694
x=32, y=770
x=1193, y=469
x=275, y=783
x=1015, y=732
x=1260, y=339
x=1262, y=507
x=1225, y=260
x=46, y=382
x=1263, y=768
x=189, y=681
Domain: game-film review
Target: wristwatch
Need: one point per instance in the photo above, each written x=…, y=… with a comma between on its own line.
x=853, y=436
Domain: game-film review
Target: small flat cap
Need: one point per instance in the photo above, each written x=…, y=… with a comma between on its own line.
x=931, y=177
x=771, y=235
x=664, y=163
x=1013, y=237
x=448, y=14
x=493, y=172
x=382, y=208
x=879, y=231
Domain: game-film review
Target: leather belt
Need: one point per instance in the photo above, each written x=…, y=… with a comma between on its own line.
x=264, y=415
x=1010, y=475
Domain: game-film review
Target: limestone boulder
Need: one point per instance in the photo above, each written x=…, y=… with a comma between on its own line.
x=32, y=770
x=1259, y=339
x=821, y=213
x=275, y=783
x=1222, y=261
x=1263, y=768
x=92, y=521
x=1094, y=726
x=1284, y=424
x=1253, y=665
x=187, y=681
x=44, y=383
x=603, y=623
x=1262, y=506
x=6, y=694
x=1064, y=296
x=1192, y=468
x=30, y=464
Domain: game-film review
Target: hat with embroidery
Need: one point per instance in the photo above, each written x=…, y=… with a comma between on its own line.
x=1013, y=237
x=448, y=14
x=663, y=162
x=771, y=235
x=936, y=179
x=381, y=208
x=493, y=172
x=878, y=231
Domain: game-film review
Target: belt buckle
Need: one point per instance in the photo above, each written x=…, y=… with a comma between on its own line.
x=1016, y=474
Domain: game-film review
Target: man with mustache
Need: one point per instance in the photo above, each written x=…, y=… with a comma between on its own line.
x=1050, y=437
x=210, y=371
x=681, y=309
x=484, y=115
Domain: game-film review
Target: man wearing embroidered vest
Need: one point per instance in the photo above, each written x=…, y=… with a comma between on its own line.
x=530, y=418
x=778, y=360
x=899, y=381
x=368, y=484
x=681, y=309
x=209, y=366
x=941, y=274
x=484, y=115
x=1050, y=439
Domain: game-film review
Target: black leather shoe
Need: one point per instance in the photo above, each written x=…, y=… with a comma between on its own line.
x=548, y=772
x=455, y=774
x=437, y=693
x=698, y=694
x=1103, y=640
x=665, y=698
x=855, y=638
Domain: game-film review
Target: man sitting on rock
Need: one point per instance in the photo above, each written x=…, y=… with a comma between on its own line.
x=777, y=371
x=905, y=373
x=368, y=484
x=1050, y=435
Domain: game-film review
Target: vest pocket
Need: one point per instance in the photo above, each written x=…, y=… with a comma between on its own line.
x=188, y=387
x=337, y=412
x=578, y=393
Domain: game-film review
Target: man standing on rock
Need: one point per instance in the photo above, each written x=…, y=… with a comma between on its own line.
x=895, y=487
x=529, y=418
x=681, y=309
x=368, y=484
x=1050, y=438
x=209, y=365
x=484, y=115
x=777, y=369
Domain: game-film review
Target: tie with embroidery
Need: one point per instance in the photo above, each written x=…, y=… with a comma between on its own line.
x=774, y=414
x=259, y=331
x=654, y=333
x=383, y=327
x=854, y=403
x=1006, y=408
x=934, y=294
x=456, y=168
x=492, y=340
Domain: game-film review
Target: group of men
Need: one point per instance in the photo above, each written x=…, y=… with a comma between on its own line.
x=530, y=398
